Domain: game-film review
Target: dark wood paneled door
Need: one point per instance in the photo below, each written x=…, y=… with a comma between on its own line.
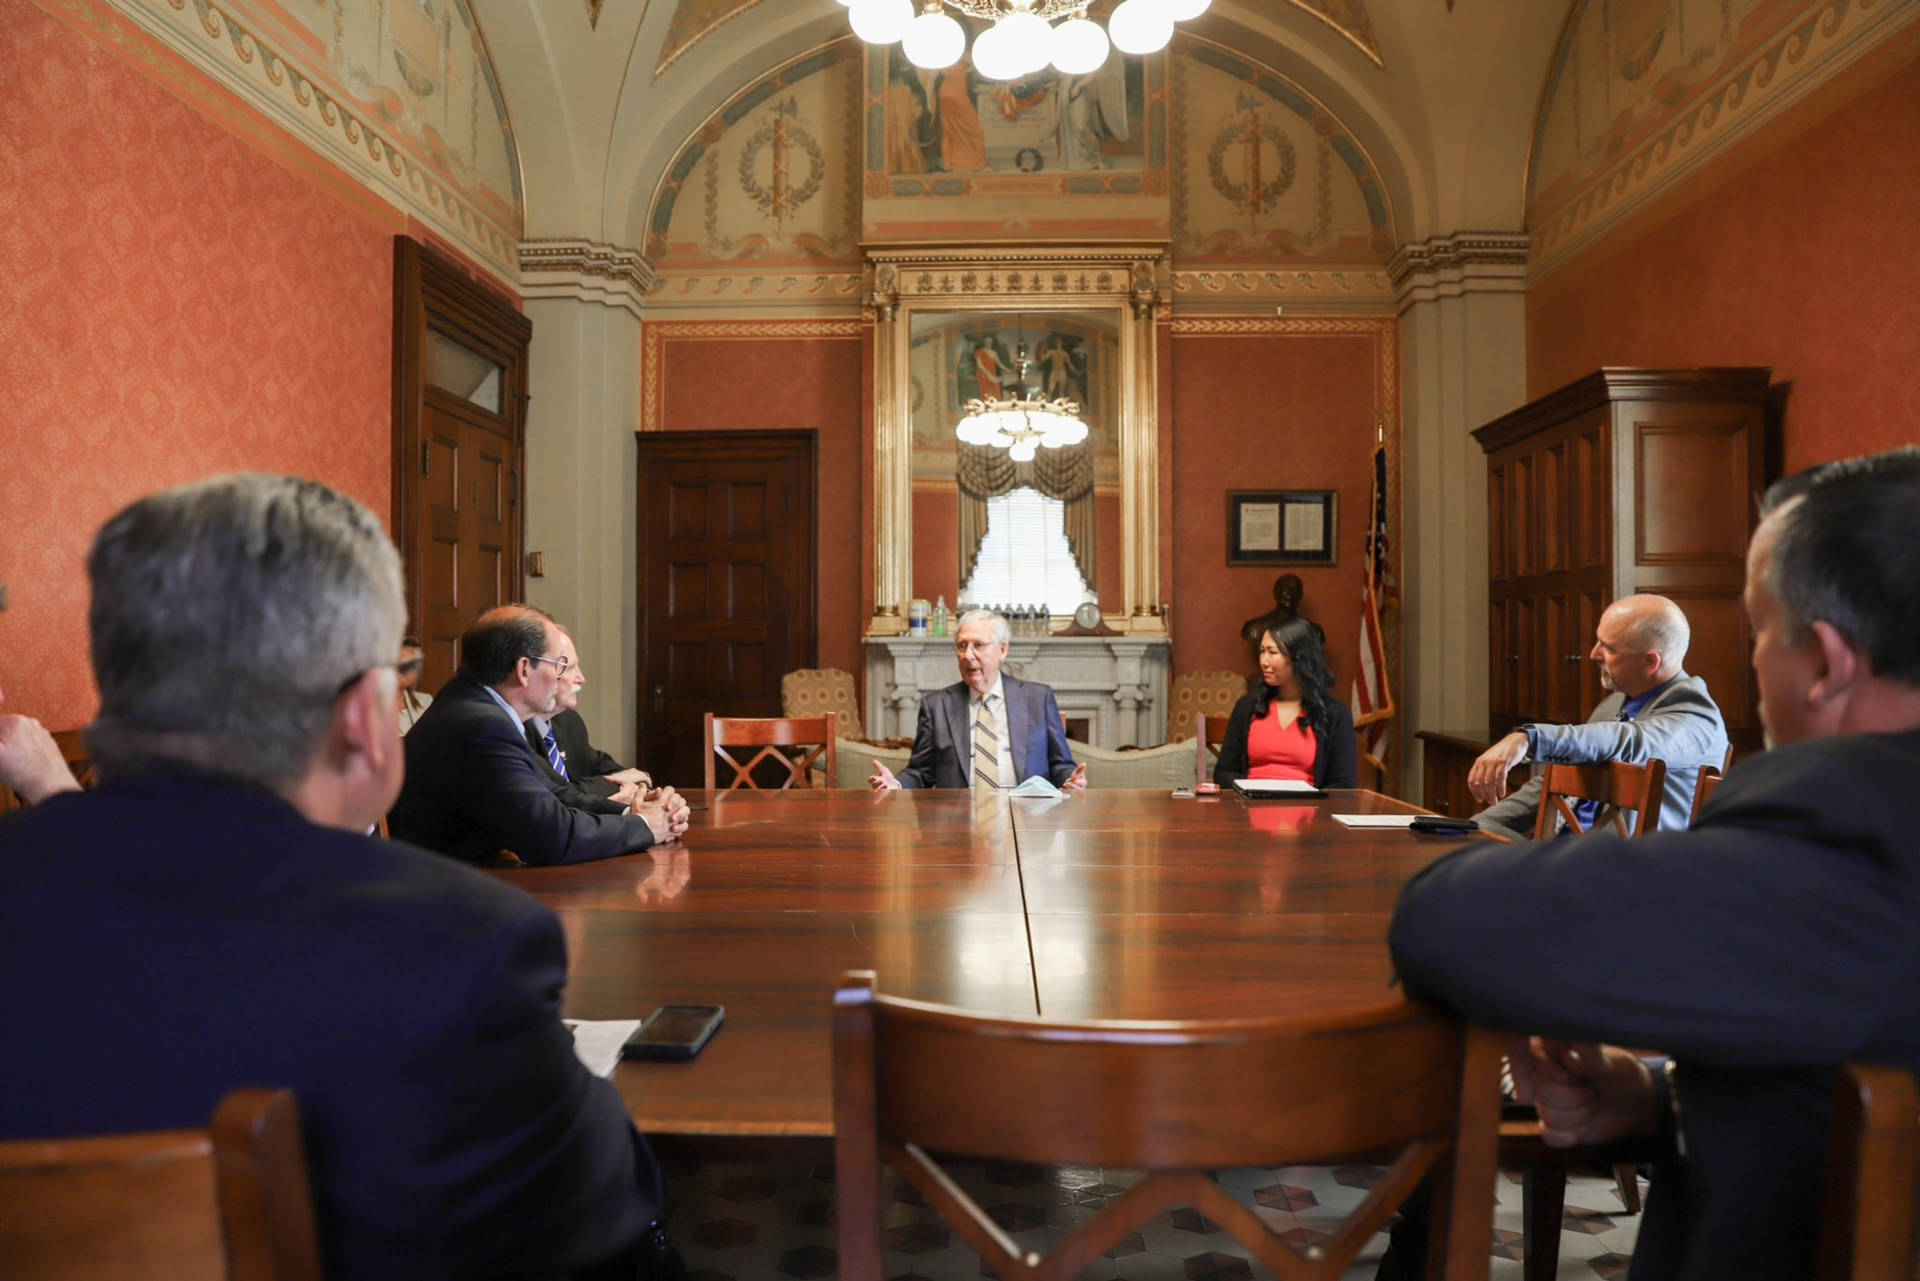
x=727, y=574
x=459, y=391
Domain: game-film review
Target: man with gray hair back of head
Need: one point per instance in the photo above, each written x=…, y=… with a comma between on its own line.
x=213, y=915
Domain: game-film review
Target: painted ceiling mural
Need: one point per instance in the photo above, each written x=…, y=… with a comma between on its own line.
x=1349, y=18
x=1639, y=90
x=1262, y=172
x=771, y=180
x=693, y=21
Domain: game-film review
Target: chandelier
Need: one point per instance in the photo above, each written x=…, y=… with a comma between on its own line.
x=1024, y=422
x=1023, y=38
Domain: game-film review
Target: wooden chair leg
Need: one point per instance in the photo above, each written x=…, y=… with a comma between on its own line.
x=1543, y=1198
x=1626, y=1180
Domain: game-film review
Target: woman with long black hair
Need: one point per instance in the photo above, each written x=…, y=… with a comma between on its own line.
x=1291, y=726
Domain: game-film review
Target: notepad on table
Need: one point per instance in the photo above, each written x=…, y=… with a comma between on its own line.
x=1286, y=789
x=1375, y=820
x=597, y=1042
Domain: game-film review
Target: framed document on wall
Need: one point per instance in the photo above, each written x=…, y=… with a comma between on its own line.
x=1281, y=526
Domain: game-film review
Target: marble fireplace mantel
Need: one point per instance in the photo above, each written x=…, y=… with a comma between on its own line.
x=1117, y=683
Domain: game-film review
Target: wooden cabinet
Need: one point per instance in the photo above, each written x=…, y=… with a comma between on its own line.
x=1630, y=480
x=1446, y=757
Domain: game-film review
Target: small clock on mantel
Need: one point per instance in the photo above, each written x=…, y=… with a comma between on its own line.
x=1087, y=622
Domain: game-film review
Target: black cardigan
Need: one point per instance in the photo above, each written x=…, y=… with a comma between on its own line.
x=1335, y=764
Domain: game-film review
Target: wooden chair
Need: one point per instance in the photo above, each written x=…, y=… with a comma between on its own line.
x=1209, y=732
x=1709, y=780
x=770, y=734
x=1867, y=1220
x=1196, y=694
x=230, y=1201
x=1174, y=1099
x=1623, y=791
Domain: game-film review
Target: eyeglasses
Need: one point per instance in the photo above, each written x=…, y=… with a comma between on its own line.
x=564, y=664
x=408, y=666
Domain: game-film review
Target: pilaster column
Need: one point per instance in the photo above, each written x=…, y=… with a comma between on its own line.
x=584, y=377
x=1462, y=310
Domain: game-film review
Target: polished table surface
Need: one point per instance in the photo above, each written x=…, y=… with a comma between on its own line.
x=1103, y=905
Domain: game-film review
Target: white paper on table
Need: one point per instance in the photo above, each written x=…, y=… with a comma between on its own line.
x=597, y=1042
x=1276, y=787
x=1375, y=820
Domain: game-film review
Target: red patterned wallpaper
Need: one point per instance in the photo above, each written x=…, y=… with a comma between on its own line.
x=702, y=376
x=1275, y=410
x=1800, y=260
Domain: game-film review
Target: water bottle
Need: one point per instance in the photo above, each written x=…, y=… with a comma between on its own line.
x=940, y=617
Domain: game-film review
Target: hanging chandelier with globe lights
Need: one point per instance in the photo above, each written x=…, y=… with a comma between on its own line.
x=1023, y=38
x=1023, y=422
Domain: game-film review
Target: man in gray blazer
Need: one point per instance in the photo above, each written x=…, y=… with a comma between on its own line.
x=1654, y=712
x=1021, y=732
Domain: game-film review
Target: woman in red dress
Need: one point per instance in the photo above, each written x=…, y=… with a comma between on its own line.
x=1291, y=726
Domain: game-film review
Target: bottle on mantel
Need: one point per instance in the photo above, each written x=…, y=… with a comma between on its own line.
x=940, y=617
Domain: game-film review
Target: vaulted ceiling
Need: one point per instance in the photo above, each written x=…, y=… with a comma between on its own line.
x=601, y=95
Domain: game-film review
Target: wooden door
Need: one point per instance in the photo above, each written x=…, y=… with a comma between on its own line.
x=460, y=374
x=726, y=583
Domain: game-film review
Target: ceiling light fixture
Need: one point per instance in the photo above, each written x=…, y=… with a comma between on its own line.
x=1023, y=38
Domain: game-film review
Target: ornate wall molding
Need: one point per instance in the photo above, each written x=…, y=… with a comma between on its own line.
x=1257, y=290
x=1139, y=275
x=278, y=86
x=581, y=269
x=1461, y=263
x=1789, y=65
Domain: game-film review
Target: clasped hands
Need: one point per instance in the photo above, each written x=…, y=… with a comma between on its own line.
x=30, y=761
x=883, y=780
x=664, y=809
x=1585, y=1093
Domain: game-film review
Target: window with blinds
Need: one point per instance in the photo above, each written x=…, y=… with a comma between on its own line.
x=1024, y=559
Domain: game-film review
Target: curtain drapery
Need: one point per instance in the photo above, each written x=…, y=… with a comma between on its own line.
x=1065, y=473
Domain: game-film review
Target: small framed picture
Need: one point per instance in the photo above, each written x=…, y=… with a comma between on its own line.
x=1281, y=526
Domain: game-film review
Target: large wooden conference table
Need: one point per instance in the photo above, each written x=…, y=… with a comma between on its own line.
x=1102, y=905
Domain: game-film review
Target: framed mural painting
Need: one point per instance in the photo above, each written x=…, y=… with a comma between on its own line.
x=1281, y=526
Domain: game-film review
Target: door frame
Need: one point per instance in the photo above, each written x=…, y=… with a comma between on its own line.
x=720, y=444
x=434, y=291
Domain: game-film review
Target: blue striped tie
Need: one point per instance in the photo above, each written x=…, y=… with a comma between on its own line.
x=554, y=758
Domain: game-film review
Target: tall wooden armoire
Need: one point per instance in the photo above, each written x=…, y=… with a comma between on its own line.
x=1630, y=480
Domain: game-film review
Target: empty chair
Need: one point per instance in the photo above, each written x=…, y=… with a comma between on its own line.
x=1196, y=694
x=1867, y=1218
x=770, y=734
x=1624, y=792
x=1174, y=1099
x=230, y=1201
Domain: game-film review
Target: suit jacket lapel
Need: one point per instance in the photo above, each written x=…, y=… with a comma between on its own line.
x=1016, y=730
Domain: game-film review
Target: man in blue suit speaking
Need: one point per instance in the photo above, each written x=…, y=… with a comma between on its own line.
x=990, y=730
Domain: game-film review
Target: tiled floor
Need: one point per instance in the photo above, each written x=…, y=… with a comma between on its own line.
x=764, y=1222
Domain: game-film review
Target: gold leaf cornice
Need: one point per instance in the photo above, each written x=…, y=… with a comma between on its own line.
x=1458, y=252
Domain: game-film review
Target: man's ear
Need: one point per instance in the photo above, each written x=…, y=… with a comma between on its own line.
x=1839, y=666
x=360, y=728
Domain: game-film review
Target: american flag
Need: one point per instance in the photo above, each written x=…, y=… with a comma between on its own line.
x=1372, y=700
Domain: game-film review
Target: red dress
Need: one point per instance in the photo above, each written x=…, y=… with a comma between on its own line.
x=1277, y=752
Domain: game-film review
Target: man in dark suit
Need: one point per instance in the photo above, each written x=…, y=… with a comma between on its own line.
x=213, y=916
x=990, y=730
x=580, y=772
x=1653, y=710
x=1777, y=938
x=474, y=787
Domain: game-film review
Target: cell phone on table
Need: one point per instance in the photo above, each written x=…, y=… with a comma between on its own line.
x=674, y=1032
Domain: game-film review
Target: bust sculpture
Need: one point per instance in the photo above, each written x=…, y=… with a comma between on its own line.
x=1287, y=591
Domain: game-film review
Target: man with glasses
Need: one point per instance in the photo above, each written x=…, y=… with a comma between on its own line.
x=473, y=785
x=1653, y=710
x=989, y=731
x=213, y=916
x=580, y=772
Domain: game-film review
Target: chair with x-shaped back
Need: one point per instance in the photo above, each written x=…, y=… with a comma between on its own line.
x=1624, y=792
x=1177, y=1100
x=813, y=734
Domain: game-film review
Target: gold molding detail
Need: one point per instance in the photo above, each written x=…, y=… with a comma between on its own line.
x=583, y=269
x=221, y=47
x=1795, y=62
x=692, y=22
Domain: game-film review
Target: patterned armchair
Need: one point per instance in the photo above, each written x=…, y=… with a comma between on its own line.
x=823, y=691
x=1197, y=694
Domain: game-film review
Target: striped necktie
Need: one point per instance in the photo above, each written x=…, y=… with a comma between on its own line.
x=986, y=745
x=554, y=758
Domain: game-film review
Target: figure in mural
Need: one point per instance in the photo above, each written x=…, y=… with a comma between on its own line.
x=1063, y=367
x=1287, y=591
x=990, y=372
x=1094, y=108
x=932, y=123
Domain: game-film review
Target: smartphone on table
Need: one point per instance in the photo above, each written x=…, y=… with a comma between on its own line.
x=674, y=1032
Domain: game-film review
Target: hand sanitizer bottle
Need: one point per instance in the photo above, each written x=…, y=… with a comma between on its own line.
x=940, y=617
